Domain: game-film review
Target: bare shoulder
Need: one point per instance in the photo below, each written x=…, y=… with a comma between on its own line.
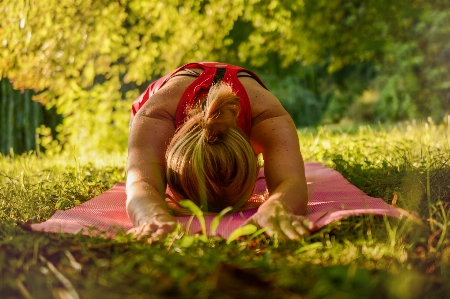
x=263, y=103
x=163, y=104
x=272, y=126
x=153, y=127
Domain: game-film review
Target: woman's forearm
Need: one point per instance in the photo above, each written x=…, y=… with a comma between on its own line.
x=293, y=194
x=148, y=212
x=144, y=203
x=145, y=191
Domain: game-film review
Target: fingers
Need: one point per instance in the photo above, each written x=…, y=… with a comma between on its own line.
x=300, y=228
x=142, y=230
x=292, y=227
x=164, y=229
x=270, y=227
x=289, y=229
x=308, y=224
x=152, y=230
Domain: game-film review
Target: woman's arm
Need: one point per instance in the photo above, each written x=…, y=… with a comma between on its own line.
x=283, y=163
x=276, y=138
x=150, y=133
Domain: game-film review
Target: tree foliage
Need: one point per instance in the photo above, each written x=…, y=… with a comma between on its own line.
x=90, y=59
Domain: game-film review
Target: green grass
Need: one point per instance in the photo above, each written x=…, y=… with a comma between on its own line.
x=358, y=257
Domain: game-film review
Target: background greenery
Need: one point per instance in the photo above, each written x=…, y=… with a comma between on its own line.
x=328, y=61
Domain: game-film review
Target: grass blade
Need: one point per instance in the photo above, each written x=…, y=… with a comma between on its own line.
x=242, y=231
x=215, y=222
x=186, y=203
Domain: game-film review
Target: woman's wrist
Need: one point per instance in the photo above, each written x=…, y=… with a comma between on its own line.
x=292, y=195
x=150, y=215
x=143, y=210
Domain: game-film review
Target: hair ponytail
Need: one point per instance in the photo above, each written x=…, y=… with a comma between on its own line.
x=209, y=159
x=219, y=112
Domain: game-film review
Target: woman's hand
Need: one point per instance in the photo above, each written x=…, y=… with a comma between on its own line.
x=281, y=223
x=155, y=226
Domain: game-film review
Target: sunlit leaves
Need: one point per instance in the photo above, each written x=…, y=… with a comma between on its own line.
x=82, y=52
x=76, y=50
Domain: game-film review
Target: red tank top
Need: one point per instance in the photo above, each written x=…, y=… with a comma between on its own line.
x=212, y=72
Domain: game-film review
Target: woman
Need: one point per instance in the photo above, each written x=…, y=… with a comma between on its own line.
x=199, y=130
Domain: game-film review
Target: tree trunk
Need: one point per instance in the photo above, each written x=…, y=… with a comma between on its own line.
x=20, y=116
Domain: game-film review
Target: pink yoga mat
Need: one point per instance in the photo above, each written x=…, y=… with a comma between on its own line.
x=331, y=197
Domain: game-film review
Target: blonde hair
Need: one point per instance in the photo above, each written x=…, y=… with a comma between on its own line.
x=210, y=160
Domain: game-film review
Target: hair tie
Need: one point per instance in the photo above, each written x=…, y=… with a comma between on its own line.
x=203, y=105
